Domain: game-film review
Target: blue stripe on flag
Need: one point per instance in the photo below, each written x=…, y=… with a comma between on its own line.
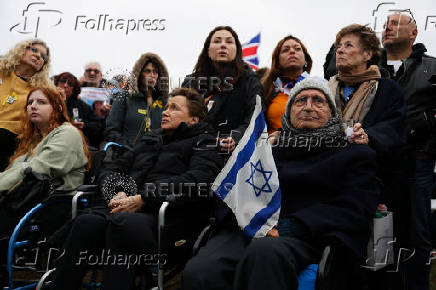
x=243, y=157
x=254, y=60
x=256, y=39
x=264, y=214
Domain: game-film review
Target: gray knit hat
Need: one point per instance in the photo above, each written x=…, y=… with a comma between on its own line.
x=311, y=83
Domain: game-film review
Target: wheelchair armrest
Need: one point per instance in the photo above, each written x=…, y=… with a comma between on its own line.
x=339, y=268
x=81, y=193
x=111, y=144
x=161, y=219
x=323, y=266
x=200, y=240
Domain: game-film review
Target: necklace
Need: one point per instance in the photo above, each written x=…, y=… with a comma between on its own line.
x=21, y=77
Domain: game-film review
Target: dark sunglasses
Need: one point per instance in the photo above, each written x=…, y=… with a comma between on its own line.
x=68, y=82
x=89, y=70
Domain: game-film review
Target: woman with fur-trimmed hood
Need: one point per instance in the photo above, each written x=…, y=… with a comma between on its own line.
x=139, y=110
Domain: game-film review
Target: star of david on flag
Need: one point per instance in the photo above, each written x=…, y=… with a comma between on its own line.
x=257, y=174
x=249, y=182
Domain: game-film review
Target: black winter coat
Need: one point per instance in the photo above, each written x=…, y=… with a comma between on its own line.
x=94, y=126
x=232, y=109
x=386, y=129
x=333, y=192
x=384, y=122
x=417, y=78
x=169, y=168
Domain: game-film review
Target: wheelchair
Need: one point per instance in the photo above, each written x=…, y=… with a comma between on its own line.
x=175, y=241
x=30, y=251
x=182, y=244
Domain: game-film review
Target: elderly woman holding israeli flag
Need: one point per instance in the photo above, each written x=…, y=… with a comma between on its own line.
x=329, y=193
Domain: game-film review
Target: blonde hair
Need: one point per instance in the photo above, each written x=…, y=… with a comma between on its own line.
x=10, y=60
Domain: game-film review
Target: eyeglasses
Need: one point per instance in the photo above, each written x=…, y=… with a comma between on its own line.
x=89, y=70
x=40, y=53
x=317, y=101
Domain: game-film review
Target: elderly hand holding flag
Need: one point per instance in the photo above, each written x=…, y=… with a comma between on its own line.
x=249, y=182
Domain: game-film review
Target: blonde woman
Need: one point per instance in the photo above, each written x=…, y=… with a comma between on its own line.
x=25, y=66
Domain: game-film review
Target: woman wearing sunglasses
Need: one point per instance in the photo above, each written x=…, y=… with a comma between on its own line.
x=25, y=66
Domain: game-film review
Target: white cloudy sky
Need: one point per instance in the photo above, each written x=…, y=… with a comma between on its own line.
x=187, y=24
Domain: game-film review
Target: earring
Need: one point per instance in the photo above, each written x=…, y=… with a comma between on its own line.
x=305, y=64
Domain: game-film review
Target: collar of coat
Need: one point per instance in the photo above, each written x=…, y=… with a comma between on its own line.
x=182, y=132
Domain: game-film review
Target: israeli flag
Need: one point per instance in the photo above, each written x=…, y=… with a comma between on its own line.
x=249, y=183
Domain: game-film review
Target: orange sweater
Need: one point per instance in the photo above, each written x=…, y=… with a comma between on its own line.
x=275, y=112
x=13, y=93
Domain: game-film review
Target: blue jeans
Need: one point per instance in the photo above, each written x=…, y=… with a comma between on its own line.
x=418, y=268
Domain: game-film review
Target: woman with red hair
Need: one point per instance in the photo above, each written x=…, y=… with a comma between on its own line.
x=49, y=145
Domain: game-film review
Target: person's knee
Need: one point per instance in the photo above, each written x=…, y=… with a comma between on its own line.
x=263, y=248
x=195, y=268
x=88, y=225
x=199, y=272
x=132, y=231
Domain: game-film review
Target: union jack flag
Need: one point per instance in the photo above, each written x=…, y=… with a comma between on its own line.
x=249, y=52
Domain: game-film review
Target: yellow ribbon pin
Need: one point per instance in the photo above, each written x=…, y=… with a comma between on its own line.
x=157, y=103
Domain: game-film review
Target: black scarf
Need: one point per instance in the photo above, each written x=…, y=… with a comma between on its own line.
x=296, y=143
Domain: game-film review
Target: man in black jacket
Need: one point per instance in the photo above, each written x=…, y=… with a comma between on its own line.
x=415, y=72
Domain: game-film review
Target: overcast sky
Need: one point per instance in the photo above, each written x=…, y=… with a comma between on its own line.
x=71, y=30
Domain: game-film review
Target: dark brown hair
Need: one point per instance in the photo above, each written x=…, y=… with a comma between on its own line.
x=72, y=81
x=205, y=67
x=194, y=102
x=275, y=71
